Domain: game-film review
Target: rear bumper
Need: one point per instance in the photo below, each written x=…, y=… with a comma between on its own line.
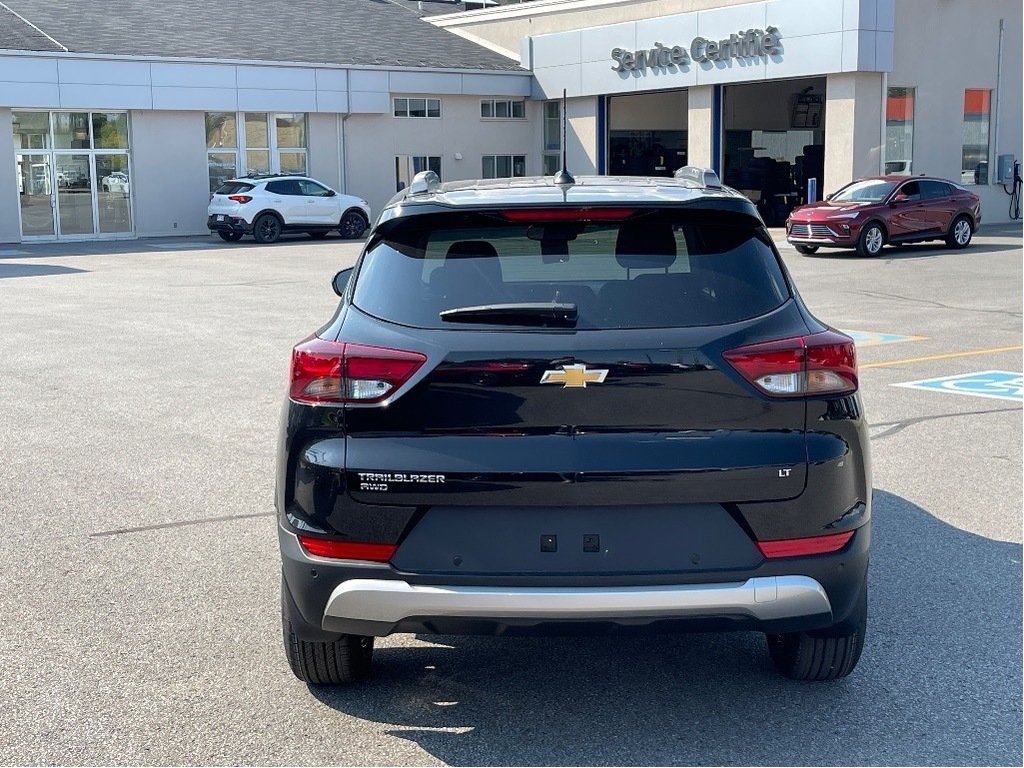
x=230, y=224
x=392, y=602
x=337, y=596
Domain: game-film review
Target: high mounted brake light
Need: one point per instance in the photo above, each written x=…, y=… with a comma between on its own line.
x=540, y=215
x=820, y=364
x=336, y=372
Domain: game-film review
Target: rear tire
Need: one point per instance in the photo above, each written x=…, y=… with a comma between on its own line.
x=807, y=250
x=960, y=233
x=230, y=237
x=344, y=660
x=827, y=654
x=352, y=225
x=871, y=240
x=266, y=228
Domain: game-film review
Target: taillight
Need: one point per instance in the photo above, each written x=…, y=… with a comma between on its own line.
x=811, y=545
x=822, y=363
x=337, y=372
x=243, y=199
x=347, y=550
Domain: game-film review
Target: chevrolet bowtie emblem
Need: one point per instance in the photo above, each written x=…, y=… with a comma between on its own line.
x=574, y=375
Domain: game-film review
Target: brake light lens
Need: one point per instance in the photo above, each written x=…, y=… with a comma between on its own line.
x=347, y=550
x=243, y=199
x=569, y=214
x=820, y=364
x=336, y=372
x=812, y=545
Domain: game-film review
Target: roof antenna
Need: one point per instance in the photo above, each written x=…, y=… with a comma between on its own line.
x=563, y=178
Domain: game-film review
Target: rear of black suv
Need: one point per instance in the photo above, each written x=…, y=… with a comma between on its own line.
x=602, y=408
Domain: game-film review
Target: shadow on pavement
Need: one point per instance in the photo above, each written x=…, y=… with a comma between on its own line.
x=35, y=270
x=939, y=682
x=912, y=251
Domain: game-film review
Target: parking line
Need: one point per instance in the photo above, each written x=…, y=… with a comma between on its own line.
x=991, y=350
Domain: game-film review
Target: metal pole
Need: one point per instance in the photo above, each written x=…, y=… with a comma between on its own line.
x=992, y=158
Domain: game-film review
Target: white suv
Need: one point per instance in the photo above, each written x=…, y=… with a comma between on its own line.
x=267, y=206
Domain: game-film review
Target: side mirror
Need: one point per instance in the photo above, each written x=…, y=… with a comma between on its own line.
x=331, y=193
x=900, y=198
x=829, y=196
x=340, y=281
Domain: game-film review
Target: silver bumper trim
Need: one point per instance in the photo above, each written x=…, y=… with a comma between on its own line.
x=763, y=598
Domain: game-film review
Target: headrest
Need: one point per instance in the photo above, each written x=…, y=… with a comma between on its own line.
x=645, y=245
x=470, y=248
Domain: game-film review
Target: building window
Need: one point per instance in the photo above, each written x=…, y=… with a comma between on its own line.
x=899, y=131
x=267, y=143
x=503, y=166
x=503, y=109
x=552, y=156
x=73, y=172
x=405, y=107
x=407, y=166
x=977, y=112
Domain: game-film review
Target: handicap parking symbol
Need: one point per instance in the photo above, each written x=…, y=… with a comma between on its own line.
x=1001, y=385
x=873, y=339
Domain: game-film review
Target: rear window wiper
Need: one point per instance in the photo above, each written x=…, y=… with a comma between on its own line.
x=544, y=314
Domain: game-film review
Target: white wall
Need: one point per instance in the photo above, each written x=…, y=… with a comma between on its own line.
x=373, y=141
x=10, y=223
x=324, y=149
x=853, y=116
x=941, y=75
x=817, y=37
x=170, y=188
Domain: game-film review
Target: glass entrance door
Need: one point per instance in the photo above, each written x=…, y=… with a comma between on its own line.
x=74, y=195
x=36, y=195
x=73, y=174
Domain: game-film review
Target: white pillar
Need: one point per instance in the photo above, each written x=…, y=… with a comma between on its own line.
x=700, y=140
x=853, y=128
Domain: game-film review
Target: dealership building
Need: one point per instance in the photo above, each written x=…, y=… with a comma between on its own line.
x=117, y=120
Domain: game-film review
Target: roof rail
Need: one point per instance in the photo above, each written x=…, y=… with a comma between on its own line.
x=706, y=177
x=424, y=183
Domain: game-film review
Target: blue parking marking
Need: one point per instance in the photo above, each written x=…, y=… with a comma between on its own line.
x=871, y=339
x=1000, y=385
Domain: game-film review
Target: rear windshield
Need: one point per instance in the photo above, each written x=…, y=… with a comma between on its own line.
x=662, y=269
x=233, y=188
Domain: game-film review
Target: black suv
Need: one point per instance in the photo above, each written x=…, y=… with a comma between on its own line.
x=708, y=470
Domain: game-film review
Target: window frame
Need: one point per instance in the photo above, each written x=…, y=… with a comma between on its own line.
x=406, y=114
x=986, y=158
x=493, y=104
x=902, y=129
x=241, y=148
x=511, y=158
x=410, y=168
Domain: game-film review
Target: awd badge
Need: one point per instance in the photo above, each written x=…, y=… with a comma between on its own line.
x=574, y=375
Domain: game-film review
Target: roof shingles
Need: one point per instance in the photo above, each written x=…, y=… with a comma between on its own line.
x=18, y=35
x=343, y=32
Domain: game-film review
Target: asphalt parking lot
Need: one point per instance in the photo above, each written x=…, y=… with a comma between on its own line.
x=141, y=384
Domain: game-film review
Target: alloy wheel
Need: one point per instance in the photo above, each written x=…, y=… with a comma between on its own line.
x=873, y=240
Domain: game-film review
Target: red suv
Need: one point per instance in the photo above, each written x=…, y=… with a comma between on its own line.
x=868, y=213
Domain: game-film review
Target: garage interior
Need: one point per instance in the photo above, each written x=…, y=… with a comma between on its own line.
x=647, y=133
x=773, y=142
